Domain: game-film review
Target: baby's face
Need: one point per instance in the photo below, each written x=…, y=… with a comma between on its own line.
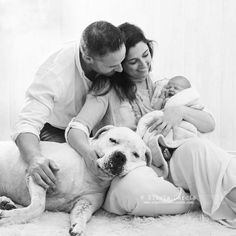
x=173, y=87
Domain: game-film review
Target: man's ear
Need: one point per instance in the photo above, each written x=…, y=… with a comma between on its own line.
x=87, y=59
x=102, y=130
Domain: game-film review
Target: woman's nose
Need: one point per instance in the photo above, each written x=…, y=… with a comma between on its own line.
x=143, y=62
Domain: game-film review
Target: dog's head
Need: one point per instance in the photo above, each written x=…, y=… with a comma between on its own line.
x=120, y=150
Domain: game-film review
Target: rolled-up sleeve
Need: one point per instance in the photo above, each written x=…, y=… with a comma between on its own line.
x=93, y=111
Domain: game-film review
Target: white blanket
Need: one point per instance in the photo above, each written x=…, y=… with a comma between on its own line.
x=177, y=136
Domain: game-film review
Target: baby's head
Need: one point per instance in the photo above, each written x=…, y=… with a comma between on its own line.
x=176, y=84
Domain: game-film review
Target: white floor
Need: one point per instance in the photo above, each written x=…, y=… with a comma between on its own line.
x=105, y=224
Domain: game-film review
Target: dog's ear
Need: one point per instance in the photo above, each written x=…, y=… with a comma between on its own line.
x=102, y=130
x=148, y=156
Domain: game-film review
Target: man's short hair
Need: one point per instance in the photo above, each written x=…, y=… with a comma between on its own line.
x=100, y=38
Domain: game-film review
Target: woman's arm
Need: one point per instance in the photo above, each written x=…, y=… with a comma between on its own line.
x=202, y=120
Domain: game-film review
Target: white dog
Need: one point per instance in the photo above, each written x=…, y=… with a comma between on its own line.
x=78, y=191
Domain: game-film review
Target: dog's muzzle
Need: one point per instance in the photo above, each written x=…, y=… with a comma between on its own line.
x=115, y=164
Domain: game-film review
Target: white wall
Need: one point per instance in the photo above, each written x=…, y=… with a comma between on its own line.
x=195, y=38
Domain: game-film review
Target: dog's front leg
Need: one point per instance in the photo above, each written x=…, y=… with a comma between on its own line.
x=25, y=214
x=82, y=212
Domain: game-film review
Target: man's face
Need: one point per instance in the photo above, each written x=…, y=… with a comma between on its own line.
x=110, y=63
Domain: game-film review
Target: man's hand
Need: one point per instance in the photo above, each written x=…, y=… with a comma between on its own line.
x=43, y=172
x=172, y=117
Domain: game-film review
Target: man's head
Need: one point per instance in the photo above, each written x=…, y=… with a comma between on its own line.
x=103, y=48
x=177, y=84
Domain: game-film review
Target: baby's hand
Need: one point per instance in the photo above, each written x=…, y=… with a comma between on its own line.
x=163, y=92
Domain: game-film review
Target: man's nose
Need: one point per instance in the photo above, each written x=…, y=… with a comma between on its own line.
x=119, y=68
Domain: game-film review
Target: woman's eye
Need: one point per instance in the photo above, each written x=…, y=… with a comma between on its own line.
x=136, y=154
x=145, y=55
x=132, y=62
x=112, y=140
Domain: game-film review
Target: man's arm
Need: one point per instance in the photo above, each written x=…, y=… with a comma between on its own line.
x=80, y=127
x=40, y=168
x=80, y=142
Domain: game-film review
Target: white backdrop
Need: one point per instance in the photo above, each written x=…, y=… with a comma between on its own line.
x=194, y=38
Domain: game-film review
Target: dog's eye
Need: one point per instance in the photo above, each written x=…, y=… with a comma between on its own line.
x=136, y=154
x=112, y=140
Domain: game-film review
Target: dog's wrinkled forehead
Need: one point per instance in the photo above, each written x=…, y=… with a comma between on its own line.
x=119, y=135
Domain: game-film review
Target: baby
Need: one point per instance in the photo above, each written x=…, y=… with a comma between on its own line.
x=174, y=86
x=177, y=91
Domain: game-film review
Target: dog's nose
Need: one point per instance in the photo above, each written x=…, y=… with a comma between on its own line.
x=116, y=163
x=120, y=157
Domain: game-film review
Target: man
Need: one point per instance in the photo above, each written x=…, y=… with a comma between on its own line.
x=58, y=93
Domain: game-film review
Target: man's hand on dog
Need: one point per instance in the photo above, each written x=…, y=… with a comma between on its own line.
x=43, y=172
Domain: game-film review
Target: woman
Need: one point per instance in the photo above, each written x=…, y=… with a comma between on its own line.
x=141, y=192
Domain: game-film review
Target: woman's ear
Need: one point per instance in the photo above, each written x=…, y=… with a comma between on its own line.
x=102, y=130
x=148, y=156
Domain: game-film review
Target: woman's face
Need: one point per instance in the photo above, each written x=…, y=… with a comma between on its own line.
x=137, y=62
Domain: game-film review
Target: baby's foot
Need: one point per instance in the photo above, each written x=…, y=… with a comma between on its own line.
x=166, y=153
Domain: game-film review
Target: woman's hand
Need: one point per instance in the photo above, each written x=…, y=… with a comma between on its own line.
x=172, y=117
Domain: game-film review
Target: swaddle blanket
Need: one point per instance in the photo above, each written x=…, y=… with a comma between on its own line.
x=177, y=136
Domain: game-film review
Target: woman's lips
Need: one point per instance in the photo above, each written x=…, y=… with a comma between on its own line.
x=143, y=70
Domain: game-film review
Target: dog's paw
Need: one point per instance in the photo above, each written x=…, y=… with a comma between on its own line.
x=4, y=219
x=6, y=203
x=77, y=230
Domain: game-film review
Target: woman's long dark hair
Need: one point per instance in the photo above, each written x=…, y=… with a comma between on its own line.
x=121, y=82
